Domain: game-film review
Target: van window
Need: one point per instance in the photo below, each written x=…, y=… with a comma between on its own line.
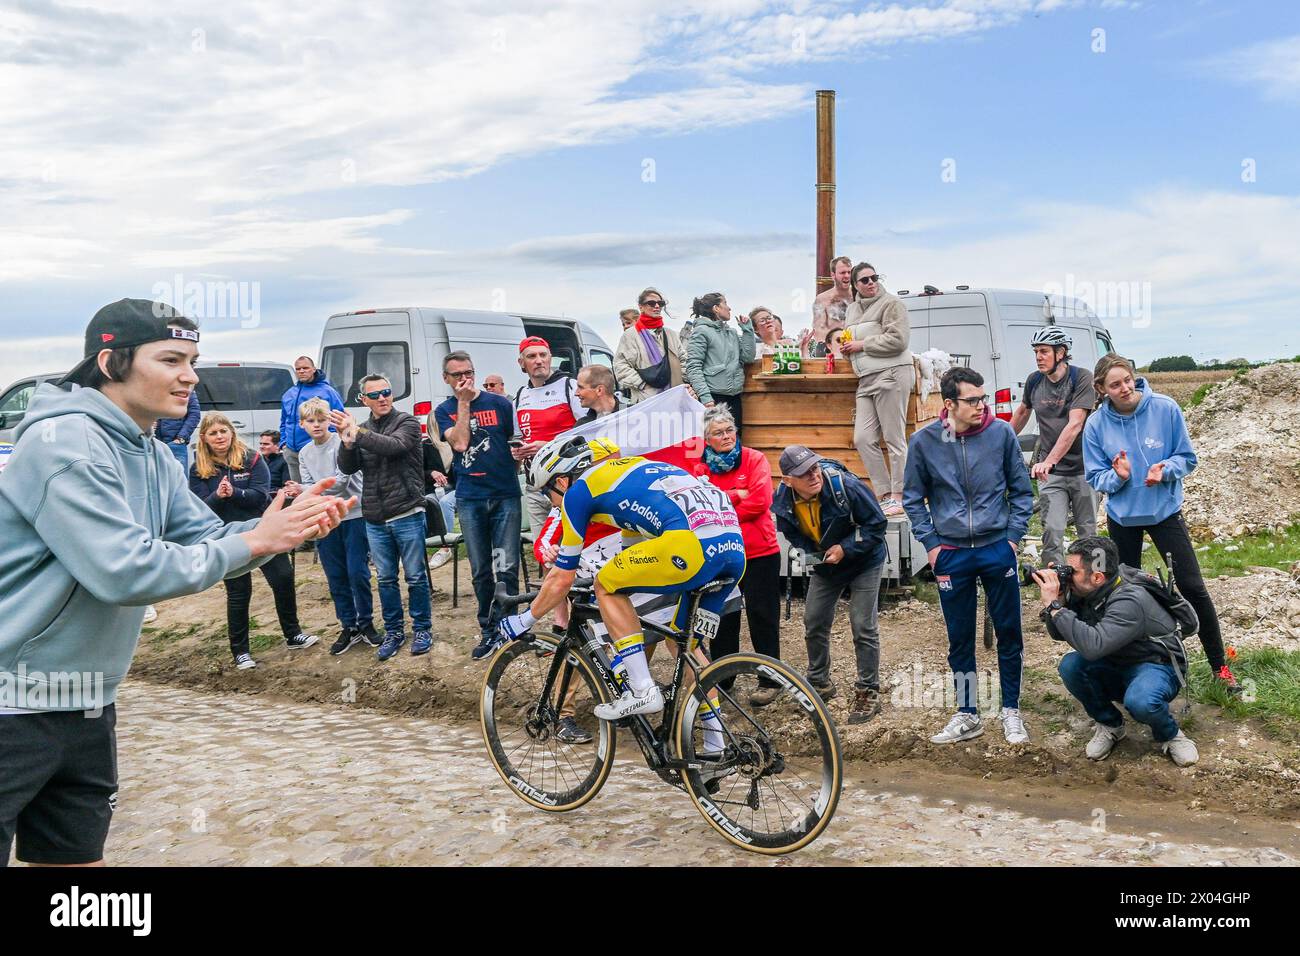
x=221, y=389
x=15, y=402
x=266, y=386
x=1103, y=345
x=602, y=358
x=345, y=365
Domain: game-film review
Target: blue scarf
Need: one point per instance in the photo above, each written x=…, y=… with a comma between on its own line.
x=720, y=464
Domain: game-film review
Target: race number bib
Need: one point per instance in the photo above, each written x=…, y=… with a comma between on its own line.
x=706, y=624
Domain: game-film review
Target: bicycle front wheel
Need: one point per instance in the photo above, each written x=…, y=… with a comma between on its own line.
x=524, y=732
x=775, y=784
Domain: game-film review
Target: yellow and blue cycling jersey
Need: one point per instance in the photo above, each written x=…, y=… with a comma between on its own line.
x=692, y=529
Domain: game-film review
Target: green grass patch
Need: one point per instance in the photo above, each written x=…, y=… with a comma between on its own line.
x=263, y=642
x=1233, y=557
x=1198, y=396
x=162, y=637
x=1271, y=679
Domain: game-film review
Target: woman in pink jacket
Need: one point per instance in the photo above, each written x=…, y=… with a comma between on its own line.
x=746, y=477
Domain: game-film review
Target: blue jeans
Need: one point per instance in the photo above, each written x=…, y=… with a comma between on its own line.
x=402, y=540
x=447, y=502
x=345, y=556
x=490, y=527
x=181, y=453
x=1146, y=690
x=956, y=571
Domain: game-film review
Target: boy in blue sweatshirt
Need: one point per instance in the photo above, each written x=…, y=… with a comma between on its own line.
x=1136, y=449
x=967, y=494
x=98, y=522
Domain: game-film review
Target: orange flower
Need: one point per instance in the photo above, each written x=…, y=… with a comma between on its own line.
x=1232, y=652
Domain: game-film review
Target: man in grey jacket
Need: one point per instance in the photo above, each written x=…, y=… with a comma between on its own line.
x=1127, y=647
x=98, y=522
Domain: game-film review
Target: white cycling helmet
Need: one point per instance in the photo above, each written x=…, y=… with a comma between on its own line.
x=1051, y=335
x=565, y=456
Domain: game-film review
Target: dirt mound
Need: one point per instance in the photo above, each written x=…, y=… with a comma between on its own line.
x=1260, y=609
x=1248, y=478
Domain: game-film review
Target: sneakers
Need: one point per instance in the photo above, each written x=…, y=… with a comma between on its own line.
x=713, y=772
x=300, y=640
x=866, y=704
x=487, y=645
x=1227, y=678
x=568, y=732
x=1181, y=750
x=244, y=661
x=963, y=726
x=421, y=643
x=439, y=558
x=1013, y=728
x=349, y=638
x=764, y=696
x=824, y=691
x=1104, y=740
x=151, y=615
x=650, y=701
x=368, y=634
x=892, y=507
x=392, y=644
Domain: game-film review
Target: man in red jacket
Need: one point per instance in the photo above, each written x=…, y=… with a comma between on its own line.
x=746, y=477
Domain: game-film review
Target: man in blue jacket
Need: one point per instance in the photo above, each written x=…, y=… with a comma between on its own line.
x=311, y=383
x=175, y=432
x=832, y=517
x=967, y=494
x=98, y=522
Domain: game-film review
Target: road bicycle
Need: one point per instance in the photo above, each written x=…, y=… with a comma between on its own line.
x=772, y=789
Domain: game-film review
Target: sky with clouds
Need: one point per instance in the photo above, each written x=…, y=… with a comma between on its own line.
x=557, y=158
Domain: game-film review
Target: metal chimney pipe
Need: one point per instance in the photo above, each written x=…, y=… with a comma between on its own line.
x=825, y=188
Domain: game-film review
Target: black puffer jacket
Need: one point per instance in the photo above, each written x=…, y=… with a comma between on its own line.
x=1121, y=622
x=389, y=456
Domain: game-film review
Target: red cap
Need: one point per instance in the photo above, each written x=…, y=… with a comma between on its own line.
x=534, y=340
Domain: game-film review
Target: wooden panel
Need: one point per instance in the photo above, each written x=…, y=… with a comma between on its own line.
x=793, y=409
x=814, y=436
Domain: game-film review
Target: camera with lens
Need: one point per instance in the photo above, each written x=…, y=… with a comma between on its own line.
x=1063, y=574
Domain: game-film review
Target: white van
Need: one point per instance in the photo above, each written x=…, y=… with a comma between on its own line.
x=991, y=328
x=15, y=399
x=407, y=346
x=248, y=393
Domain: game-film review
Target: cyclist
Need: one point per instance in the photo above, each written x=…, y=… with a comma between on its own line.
x=679, y=535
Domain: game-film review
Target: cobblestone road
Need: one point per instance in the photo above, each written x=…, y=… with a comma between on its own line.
x=238, y=779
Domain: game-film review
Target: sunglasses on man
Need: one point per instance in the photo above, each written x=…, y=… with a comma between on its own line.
x=376, y=396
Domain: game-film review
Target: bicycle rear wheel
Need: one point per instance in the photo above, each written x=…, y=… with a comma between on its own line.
x=778, y=780
x=519, y=728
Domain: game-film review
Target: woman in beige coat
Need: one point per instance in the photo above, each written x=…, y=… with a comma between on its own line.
x=639, y=359
x=876, y=330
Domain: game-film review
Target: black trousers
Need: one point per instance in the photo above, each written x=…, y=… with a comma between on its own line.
x=239, y=591
x=761, y=588
x=1171, y=537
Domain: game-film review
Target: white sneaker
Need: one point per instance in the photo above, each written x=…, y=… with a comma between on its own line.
x=1013, y=728
x=150, y=614
x=439, y=558
x=963, y=726
x=1181, y=750
x=630, y=703
x=245, y=661
x=1104, y=740
x=301, y=640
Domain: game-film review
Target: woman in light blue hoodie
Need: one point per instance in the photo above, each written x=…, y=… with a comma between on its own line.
x=1136, y=449
x=98, y=522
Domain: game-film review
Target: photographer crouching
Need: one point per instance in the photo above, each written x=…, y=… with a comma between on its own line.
x=1127, y=631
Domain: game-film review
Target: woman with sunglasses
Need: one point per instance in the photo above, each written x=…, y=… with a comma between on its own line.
x=649, y=355
x=716, y=357
x=235, y=483
x=767, y=326
x=875, y=339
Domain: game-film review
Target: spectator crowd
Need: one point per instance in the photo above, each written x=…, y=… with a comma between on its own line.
x=960, y=483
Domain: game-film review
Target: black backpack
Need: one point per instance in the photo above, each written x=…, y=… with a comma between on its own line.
x=1167, y=596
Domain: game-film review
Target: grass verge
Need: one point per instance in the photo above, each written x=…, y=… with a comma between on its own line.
x=1271, y=680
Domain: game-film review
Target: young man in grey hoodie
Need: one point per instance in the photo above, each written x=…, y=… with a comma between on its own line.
x=98, y=522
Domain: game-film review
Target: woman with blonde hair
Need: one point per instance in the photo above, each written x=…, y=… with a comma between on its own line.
x=875, y=339
x=235, y=483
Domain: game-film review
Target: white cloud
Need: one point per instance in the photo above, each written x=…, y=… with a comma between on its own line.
x=1272, y=67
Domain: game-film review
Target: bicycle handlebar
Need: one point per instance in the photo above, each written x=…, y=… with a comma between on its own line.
x=508, y=602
